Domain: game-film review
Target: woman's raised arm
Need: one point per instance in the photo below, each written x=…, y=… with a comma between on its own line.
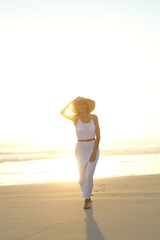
x=66, y=115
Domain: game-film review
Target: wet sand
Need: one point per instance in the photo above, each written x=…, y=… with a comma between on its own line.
x=124, y=208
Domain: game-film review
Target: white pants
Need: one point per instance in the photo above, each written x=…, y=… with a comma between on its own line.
x=86, y=178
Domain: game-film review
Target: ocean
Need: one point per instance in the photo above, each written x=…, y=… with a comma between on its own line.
x=37, y=164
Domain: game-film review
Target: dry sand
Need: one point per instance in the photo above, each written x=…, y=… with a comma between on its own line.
x=124, y=208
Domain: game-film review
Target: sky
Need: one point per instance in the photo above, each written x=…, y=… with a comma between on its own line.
x=53, y=51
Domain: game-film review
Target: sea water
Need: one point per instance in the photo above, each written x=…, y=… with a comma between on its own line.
x=23, y=167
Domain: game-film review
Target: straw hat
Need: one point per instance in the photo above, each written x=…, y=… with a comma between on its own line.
x=90, y=103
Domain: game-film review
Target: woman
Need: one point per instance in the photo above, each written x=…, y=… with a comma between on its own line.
x=87, y=147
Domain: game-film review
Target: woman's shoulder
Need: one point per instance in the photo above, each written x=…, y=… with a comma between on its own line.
x=75, y=119
x=94, y=117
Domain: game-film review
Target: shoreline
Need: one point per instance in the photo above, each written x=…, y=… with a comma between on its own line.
x=30, y=172
x=76, y=181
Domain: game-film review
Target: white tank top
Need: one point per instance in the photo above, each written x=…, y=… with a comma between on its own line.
x=85, y=131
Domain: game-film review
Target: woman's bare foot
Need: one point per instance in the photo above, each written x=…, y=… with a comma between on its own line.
x=87, y=203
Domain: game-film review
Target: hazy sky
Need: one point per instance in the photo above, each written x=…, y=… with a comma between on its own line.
x=54, y=51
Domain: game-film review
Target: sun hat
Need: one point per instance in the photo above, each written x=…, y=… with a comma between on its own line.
x=89, y=102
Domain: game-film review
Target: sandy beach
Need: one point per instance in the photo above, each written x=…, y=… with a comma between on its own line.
x=124, y=208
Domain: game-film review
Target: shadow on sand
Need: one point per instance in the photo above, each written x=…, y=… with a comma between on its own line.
x=93, y=232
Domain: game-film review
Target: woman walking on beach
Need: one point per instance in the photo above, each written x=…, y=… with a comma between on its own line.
x=87, y=147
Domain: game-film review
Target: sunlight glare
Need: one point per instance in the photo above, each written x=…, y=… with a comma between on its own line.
x=50, y=61
x=64, y=169
x=68, y=111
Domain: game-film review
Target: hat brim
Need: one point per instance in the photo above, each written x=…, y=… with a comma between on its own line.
x=89, y=102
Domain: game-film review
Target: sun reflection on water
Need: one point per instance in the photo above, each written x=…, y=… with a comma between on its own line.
x=65, y=168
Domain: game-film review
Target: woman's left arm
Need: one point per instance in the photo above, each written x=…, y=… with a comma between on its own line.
x=97, y=132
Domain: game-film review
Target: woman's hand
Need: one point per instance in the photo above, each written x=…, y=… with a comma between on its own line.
x=92, y=157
